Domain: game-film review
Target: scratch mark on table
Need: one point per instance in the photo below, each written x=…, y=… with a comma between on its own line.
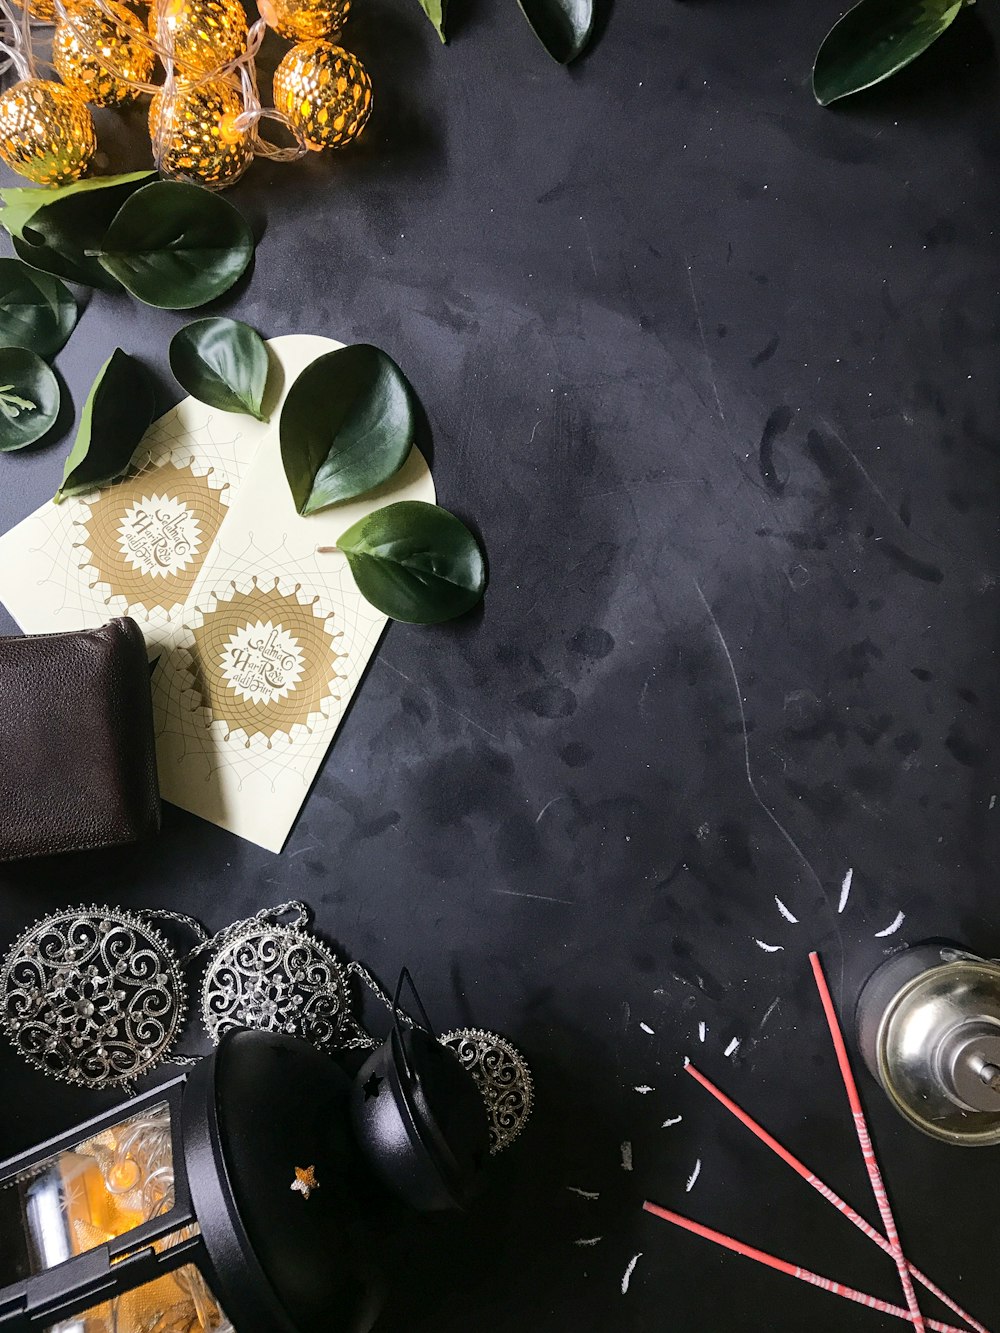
x=560, y=797
x=770, y=1009
x=704, y=341
x=538, y=897
x=440, y=702
x=693, y=1177
x=590, y=248
x=746, y=744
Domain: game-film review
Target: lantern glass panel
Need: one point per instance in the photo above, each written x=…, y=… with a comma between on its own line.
x=83, y=1197
x=178, y=1302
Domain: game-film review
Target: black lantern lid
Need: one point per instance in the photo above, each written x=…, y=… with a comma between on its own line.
x=279, y=1188
x=419, y=1115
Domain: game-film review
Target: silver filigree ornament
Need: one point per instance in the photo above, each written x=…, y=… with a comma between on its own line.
x=279, y=978
x=92, y=995
x=502, y=1076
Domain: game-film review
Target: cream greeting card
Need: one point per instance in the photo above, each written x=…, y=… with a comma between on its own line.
x=274, y=642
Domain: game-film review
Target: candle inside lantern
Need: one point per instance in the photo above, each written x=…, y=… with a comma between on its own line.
x=77, y=1200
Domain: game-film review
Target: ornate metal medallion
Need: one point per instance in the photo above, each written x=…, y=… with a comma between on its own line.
x=503, y=1077
x=278, y=979
x=92, y=995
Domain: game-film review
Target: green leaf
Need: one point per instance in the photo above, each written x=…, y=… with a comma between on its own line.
x=116, y=415
x=221, y=362
x=562, y=26
x=176, y=246
x=29, y=398
x=346, y=426
x=436, y=11
x=415, y=562
x=874, y=40
x=56, y=231
x=37, y=311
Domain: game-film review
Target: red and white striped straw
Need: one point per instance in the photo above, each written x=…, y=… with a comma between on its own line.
x=867, y=1149
x=812, y=1179
x=793, y=1270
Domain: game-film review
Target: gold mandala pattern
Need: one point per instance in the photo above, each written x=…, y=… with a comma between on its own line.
x=146, y=537
x=265, y=661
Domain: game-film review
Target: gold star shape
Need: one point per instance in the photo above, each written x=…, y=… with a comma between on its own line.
x=305, y=1181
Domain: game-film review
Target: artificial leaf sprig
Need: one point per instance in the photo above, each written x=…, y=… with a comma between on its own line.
x=170, y=244
x=347, y=425
x=176, y=246
x=29, y=398
x=37, y=311
x=436, y=11
x=60, y=231
x=876, y=39
x=415, y=562
x=221, y=362
x=564, y=27
x=119, y=409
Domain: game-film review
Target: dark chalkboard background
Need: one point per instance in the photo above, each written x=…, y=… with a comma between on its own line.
x=715, y=374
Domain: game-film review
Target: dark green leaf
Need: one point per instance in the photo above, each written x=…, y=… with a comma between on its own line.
x=176, y=246
x=346, y=426
x=436, y=11
x=562, y=26
x=29, y=398
x=116, y=415
x=416, y=562
x=37, y=311
x=875, y=39
x=54, y=230
x=223, y=363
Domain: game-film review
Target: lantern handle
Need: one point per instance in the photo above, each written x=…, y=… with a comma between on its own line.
x=397, y=1015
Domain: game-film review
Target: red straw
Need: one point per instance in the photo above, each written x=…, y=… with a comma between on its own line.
x=811, y=1178
x=864, y=1138
x=793, y=1270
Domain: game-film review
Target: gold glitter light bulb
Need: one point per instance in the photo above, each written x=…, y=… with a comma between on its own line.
x=303, y=20
x=206, y=34
x=325, y=92
x=196, y=134
x=46, y=133
x=101, y=55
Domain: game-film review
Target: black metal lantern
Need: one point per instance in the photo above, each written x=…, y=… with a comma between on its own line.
x=233, y=1198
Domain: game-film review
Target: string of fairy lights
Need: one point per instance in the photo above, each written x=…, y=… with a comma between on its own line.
x=197, y=61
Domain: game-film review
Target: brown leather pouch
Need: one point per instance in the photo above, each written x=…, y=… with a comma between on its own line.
x=77, y=758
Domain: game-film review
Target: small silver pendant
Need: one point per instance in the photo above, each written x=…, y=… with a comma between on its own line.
x=92, y=995
x=278, y=979
x=502, y=1076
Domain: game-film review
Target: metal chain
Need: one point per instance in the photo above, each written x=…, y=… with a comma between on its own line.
x=357, y=969
x=162, y=914
x=266, y=914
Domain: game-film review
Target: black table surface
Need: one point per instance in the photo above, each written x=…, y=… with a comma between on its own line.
x=713, y=371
